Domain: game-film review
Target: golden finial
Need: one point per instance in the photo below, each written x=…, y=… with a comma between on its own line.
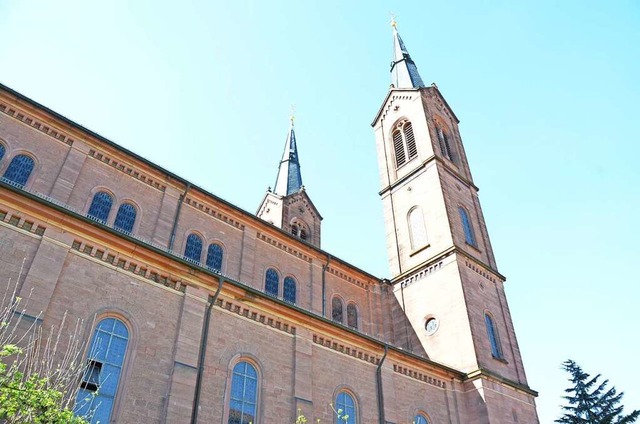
x=393, y=20
x=292, y=117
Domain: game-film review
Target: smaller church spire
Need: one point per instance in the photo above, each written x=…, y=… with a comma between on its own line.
x=404, y=72
x=289, y=179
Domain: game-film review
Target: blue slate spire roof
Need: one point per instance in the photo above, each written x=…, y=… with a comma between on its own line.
x=404, y=72
x=289, y=179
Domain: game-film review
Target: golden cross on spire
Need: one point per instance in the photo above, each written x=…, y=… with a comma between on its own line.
x=292, y=117
x=393, y=19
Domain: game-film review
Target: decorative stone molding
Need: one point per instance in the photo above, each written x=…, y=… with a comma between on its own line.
x=419, y=376
x=214, y=213
x=34, y=123
x=255, y=315
x=347, y=350
x=283, y=247
x=127, y=169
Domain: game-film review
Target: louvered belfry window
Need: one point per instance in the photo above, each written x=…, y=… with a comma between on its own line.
x=404, y=143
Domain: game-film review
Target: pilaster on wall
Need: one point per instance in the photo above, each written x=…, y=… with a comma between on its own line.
x=44, y=272
x=166, y=216
x=303, y=369
x=69, y=172
x=248, y=254
x=183, y=378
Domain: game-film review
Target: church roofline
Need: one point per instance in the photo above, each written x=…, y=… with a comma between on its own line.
x=249, y=216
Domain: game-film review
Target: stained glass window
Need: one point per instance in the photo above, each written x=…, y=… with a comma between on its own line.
x=417, y=229
x=19, y=170
x=125, y=218
x=420, y=419
x=289, y=290
x=336, y=309
x=2, y=150
x=100, y=206
x=101, y=379
x=345, y=409
x=214, y=256
x=244, y=394
x=352, y=316
x=466, y=224
x=492, y=332
x=193, y=248
x=271, y=282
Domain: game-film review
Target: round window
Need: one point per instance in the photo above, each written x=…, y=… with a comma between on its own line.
x=431, y=325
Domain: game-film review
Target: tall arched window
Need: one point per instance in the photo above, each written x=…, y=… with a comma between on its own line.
x=243, y=399
x=345, y=410
x=492, y=332
x=19, y=170
x=466, y=225
x=125, y=218
x=214, y=256
x=289, y=290
x=404, y=143
x=420, y=419
x=271, y=282
x=100, y=206
x=336, y=309
x=2, y=150
x=193, y=248
x=352, y=315
x=445, y=146
x=101, y=379
x=417, y=228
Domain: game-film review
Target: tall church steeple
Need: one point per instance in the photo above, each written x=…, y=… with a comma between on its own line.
x=288, y=205
x=442, y=265
x=404, y=72
x=289, y=179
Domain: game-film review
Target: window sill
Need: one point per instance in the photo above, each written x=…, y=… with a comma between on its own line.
x=415, y=252
x=504, y=361
x=473, y=246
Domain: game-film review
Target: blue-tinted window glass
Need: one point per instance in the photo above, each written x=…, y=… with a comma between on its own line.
x=214, y=256
x=352, y=316
x=336, y=309
x=345, y=409
x=468, y=229
x=271, y=282
x=244, y=394
x=125, y=218
x=19, y=170
x=106, y=357
x=420, y=419
x=2, y=150
x=193, y=249
x=289, y=290
x=100, y=206
x=496, y=349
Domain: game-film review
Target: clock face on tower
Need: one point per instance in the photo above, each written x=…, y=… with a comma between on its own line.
x=431, y=326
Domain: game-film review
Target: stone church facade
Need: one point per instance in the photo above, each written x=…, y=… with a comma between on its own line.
x=198, y=311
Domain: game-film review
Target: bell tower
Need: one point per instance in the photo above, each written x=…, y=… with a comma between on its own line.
x=442, y=265
x=288, y=205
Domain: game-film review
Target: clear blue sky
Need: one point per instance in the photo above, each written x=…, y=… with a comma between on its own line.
x=547, y=93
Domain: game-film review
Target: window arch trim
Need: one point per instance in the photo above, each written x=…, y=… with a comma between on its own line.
x=356, y=403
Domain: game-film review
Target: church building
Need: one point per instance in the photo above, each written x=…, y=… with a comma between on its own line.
x=198, y=311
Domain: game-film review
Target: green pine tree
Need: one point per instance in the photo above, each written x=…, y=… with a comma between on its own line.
x=591, y=402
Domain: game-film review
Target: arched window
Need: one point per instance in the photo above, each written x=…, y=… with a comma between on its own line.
x=271, y=282
x=243, y=399
x=2, y=150
x=101, y=379
x=289, y=290
x=100, y=206
x=466, y=225
x=352, y=316
x=445, y=146
x=193, y=248
x=19, y=170
x=492, y=332
x=214, y=256
x=417, y=229
x=404, y=143
x=345, y=409
x=336, y=309
x=420, y=419
x=125, y=218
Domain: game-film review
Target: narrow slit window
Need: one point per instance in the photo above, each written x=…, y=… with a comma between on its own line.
x=494, y=340
x=469, y=235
